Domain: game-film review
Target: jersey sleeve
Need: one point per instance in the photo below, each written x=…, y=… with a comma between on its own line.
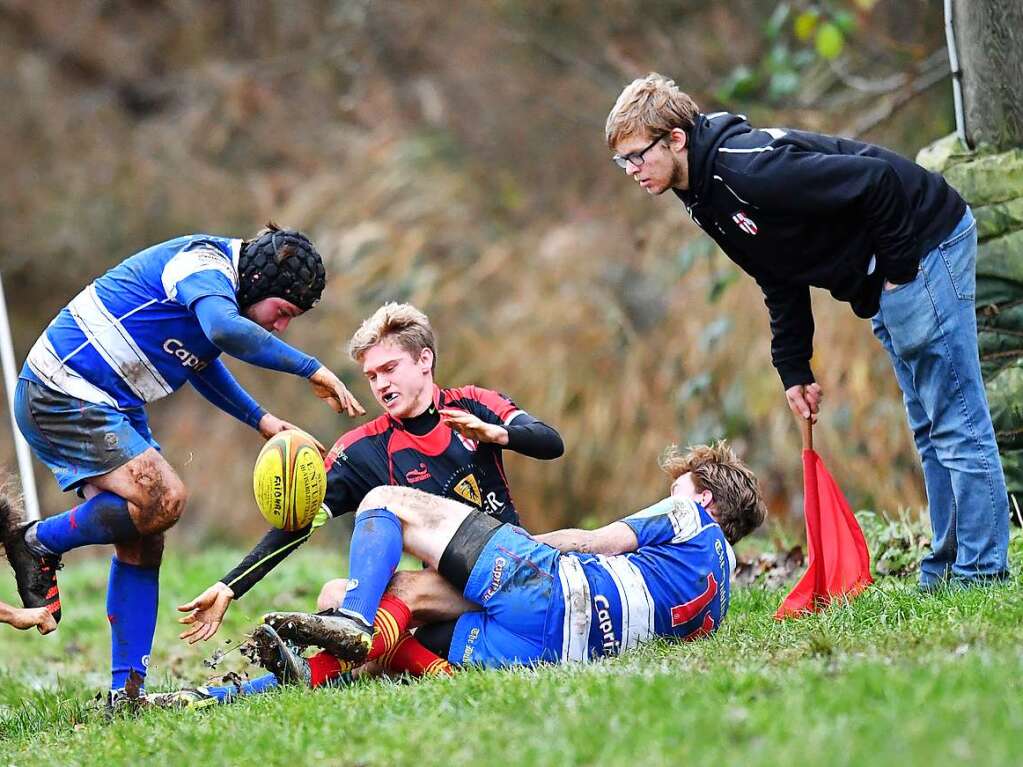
x=351, y=474
x=671, y=520
x=200, y=270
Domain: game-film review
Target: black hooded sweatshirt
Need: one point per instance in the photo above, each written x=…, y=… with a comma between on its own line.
x=796, y=209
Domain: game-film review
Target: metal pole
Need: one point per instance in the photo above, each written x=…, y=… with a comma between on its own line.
x=28, y=480
x=957, y=75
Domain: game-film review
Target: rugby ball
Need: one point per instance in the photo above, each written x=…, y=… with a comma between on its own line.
x=289, y=480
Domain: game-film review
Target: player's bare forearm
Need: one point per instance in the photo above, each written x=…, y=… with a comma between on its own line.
x=569, y=539
x=616, y=538
x=26, y=618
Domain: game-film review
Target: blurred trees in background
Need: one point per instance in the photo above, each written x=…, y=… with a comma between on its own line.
x=452, y=155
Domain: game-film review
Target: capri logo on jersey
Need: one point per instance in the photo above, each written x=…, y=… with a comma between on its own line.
x=176, y=348
x=744, y=222
x=602, y=609
x=495, y=578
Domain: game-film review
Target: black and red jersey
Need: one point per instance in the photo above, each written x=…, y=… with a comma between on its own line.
x=426, y=454
x=420, y=452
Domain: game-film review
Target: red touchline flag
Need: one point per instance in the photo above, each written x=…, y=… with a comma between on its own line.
x=839, y=563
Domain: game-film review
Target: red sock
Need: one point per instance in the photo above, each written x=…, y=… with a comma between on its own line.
x=325, y=667
x=391, y=621
x=409, y=656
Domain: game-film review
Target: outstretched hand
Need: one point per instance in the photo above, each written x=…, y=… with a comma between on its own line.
x=805, y=400
x=329, y=388
x=270, y=425
x=207, y=613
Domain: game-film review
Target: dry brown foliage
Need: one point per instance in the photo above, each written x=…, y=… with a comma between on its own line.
x=451, y=156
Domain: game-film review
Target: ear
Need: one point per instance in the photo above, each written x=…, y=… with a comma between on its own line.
x=706, y=499
x=425, y=361
x=677, y=139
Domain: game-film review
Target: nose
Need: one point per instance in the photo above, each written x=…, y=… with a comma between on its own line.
x=281, y=324
x=631, y=169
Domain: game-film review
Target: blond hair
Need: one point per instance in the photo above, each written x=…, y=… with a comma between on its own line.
x=403, y=324
x=651, y=104
x=738, y=503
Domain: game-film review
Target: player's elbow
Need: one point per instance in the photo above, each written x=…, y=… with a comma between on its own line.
x=556, y=448
x=225, y=338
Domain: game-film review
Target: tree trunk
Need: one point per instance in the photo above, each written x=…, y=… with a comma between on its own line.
x=989, y=39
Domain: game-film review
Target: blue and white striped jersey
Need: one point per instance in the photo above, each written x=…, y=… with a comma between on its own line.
x=676, y=584
x=131, y=337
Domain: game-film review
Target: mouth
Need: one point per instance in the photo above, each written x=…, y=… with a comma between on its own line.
x=390, y=397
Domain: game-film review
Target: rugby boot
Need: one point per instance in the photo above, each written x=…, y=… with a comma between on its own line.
x=271, y=652
x=193, y=697
x=346, y=638
x=36, y=575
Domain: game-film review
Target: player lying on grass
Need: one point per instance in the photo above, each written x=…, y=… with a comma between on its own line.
x=447, y=442
x=155, y=322
x=569, y=595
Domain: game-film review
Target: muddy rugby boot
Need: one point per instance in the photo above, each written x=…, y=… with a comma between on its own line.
x=346, y=638
x=272, y=653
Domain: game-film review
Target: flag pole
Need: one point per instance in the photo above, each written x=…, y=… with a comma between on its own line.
x=28, y=480
x=806, y=427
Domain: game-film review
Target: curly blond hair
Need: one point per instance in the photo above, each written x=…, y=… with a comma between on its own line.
x=403, y=324
x=738, y=502
x=651, y=104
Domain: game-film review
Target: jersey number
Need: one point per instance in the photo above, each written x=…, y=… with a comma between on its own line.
x=690, y=611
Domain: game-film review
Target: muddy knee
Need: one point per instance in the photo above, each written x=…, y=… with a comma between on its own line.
x=332, y=594
x=161, y=505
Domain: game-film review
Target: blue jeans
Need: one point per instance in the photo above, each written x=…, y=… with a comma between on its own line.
x=929, y=327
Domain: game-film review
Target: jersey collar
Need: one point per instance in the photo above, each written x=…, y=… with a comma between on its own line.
x=236, y=253
x=438, y=396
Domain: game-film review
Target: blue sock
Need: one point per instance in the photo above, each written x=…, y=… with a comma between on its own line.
x=375, y=553
x=132, y=596
x=104, y=518
x=227, y=693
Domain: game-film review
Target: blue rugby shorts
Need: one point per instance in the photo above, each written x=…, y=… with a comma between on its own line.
x=76, y=439
x=513, y=580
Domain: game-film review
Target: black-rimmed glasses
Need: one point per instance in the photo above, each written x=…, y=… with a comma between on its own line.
x=636, y=158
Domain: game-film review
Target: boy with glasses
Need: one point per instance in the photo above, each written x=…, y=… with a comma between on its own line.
x=797, y=210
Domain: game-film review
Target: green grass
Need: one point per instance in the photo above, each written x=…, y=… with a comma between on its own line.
x=894, y=678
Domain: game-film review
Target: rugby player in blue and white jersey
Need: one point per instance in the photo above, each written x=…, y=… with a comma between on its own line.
x=570, y=595
x=153, y=323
